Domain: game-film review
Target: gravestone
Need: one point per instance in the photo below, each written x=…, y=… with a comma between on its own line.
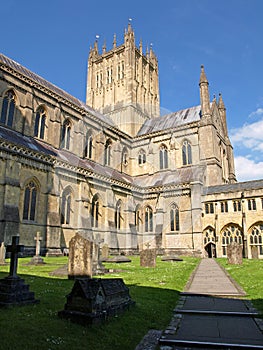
x=2, y=254
x=37, y=260
x=80, y=262
x=234, y=253
x=171, y=258
x=254, y=252
x=104, y=252
x=93, y=300
x=13, y=290
x=148, y=257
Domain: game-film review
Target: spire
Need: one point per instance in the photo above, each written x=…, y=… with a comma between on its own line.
x=104, y=47
x=222, y=112
x=114, y=41
x=221, y=104
x=140, y=47
x=96, y=47
x=203, y=78
x=204, y=93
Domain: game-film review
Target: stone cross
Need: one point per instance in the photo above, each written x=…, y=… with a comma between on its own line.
x=14, y=249
x=38, y=239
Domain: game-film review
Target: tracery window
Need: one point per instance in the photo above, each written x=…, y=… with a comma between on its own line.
x=256, y=239
x=30, y=201
x=118, y=217
x=148, y=219
x=40, y=121
x=163, y=155
x=107, y=153
x=66, y=203
x=88, y=145
x=209, y=236
x=65, y=134
x=187, y=153
x=174, y=218
x=95, y=211
x=141, y=157
x=8, y=109
x=231, y=233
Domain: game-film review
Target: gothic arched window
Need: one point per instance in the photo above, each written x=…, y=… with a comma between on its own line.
x=30, y=200
x=163, y=155
x=174, y=218
x=88, y=145
x=40, y=120
x=256, y=239
x=66, y=207
x=187, y=153
x=141, y=157
x=95, y=207
x=107, y=153
x=65, y=134
x=148, y=219
x=231, y=233
x=8, y=108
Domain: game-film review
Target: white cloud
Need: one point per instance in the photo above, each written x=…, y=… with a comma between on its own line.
x=247, y=169
x=249, y=135
x=258, y=112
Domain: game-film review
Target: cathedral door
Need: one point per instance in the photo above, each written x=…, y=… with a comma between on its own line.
x=211, y=250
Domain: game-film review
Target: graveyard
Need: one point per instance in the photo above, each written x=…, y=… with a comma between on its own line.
x=154, y=289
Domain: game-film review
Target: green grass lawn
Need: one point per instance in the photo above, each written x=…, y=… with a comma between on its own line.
x=249, y=276
x=37, y=327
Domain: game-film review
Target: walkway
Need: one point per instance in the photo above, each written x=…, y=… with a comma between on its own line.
x=210, y=314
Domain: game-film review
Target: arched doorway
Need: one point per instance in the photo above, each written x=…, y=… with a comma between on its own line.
x=209, y=242
x=210, y=248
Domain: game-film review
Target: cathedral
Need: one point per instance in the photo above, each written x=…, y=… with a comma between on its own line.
x=114, y=170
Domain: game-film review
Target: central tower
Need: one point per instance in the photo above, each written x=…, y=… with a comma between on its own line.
x=123, y=83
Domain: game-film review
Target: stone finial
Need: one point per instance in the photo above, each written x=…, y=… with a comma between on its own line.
x=140, y=47
x=104, y=47
x=114, y=41
x=203, y=78
x=221, y=104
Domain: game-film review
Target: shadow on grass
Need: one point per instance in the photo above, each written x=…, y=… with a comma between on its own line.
x=38, y=326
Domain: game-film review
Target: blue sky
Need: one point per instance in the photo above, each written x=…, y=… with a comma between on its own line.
x=52, y=38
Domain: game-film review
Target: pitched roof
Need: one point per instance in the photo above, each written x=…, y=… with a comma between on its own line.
x=235, y=187
x=53, y=88
x=170, y=121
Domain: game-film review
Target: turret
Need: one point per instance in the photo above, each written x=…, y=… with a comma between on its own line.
x=204, y=94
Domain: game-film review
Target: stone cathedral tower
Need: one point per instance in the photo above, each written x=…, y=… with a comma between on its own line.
x=123, y=83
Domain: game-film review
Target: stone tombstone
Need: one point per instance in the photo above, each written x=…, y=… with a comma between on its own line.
x=37, y=260
x=254, y=252
x=104, y=252
x=2, y=254
x=93, y=300
x=234, y=253
x=80, y=263
x=148, y=258
x=13, y=290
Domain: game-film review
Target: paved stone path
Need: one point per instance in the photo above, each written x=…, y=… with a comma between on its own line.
x=212, y=315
